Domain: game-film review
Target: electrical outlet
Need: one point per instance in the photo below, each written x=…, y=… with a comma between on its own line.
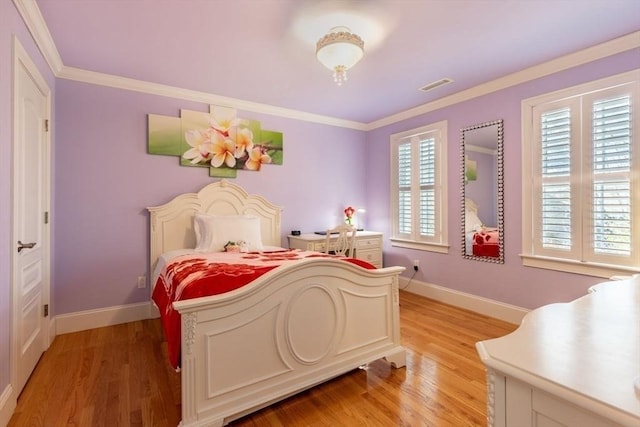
x=142, y=282
x=416, y=264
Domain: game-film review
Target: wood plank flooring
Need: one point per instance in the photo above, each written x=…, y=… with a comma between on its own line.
x=119, y=376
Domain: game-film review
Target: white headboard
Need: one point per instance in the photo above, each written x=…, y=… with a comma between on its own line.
x=470, y=205
x=172, y=223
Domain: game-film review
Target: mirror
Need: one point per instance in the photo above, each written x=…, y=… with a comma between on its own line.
x=482, y=192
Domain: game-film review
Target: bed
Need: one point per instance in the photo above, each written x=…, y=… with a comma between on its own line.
x=295, y=326
x=480, y=240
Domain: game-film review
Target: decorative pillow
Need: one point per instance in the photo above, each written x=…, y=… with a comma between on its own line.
x=471, y=221
x=215, y=231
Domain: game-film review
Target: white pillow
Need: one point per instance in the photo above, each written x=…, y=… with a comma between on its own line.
x=204, y=236
x=471, y=221
x=214, y=231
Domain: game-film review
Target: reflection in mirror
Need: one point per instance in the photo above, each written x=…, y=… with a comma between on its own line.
x=482, y=192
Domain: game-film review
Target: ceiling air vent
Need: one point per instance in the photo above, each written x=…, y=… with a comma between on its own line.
x=435, y=84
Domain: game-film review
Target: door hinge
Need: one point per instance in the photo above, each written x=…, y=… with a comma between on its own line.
x=46, y=125
x=46, y=310
x=46, y=217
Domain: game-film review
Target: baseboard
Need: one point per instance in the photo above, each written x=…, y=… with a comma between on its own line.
x=8, y=404
x=89, y=319
x=485, y=306
x=52, y=330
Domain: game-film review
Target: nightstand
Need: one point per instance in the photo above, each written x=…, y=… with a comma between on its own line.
x=367, y=247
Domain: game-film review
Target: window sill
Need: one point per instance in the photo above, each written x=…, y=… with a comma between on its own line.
x=576, y=267
x=421, y=246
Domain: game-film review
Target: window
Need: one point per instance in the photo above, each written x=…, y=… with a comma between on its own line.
x=581, y=178
x=418, y=189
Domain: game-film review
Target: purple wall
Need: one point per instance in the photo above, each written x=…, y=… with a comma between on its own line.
x=11, y=25
x=105, y=179
x=483, y=191
x=510, y=283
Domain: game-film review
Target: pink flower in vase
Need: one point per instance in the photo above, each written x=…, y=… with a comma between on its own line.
x=349, y=212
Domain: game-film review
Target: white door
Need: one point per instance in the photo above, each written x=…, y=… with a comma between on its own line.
x=31, y=188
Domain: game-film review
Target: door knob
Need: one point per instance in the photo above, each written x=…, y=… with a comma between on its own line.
x=22, y=246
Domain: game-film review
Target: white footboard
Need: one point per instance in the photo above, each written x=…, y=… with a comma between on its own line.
x=288, y=331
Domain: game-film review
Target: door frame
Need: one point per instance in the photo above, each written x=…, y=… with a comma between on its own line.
x=21, y=59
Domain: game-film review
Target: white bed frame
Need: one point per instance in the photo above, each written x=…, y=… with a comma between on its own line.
x=293, y=328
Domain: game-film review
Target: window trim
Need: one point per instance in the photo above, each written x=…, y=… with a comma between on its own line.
x=442, y=245
x=528, y=157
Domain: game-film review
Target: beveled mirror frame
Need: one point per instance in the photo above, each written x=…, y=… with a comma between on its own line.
x=464, y=136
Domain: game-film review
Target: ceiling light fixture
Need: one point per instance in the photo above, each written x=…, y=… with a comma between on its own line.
x=339, y=50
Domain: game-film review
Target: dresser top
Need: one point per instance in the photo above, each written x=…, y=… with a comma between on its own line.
x=314, y=236
x=586, y=351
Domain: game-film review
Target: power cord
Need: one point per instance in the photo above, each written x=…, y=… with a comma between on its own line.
x=415, y=270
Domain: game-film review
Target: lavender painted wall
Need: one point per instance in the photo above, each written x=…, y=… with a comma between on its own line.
x=483, y=191
x=510, y=283
x=11, y=25
x=105, y=179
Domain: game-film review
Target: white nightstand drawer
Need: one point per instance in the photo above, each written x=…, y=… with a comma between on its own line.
x=319, y=247
x=368, y=243
x=371, y=256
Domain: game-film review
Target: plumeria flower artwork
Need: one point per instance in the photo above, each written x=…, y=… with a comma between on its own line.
x=257, y=157
x=201, y=146
x=219, y=140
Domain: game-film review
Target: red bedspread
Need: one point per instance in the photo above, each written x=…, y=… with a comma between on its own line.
x=485, y=243
x=198, y=275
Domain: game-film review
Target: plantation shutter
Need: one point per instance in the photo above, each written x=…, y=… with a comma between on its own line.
x=404, y=188
x=427, y=187
x=581, y=207
x=611, y=212
x=555, y=159
x=418, y=162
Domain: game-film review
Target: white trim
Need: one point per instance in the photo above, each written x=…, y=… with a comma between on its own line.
x=92, y=77
x=8, y=403
x=34, y=21
x=421, y=246
x=577, y=267
x=600, y=51
x=101, y=317
x=414, y=137
x=52, y=329
x=32, y=17
x=488, y=307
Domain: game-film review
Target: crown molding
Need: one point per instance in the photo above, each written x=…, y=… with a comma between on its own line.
x=32, y=17
x=34, y=21
x=603, y=50
x=125, y=83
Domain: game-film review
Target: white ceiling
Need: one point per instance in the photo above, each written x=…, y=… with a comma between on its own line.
x=263, y=51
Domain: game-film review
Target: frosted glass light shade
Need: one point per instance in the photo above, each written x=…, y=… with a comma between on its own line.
x=339, y=50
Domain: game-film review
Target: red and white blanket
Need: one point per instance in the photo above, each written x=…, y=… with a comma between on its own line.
x=485, y=242
x=203, y=274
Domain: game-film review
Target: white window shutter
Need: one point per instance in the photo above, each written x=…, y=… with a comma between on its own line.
x=581, y=204
x=611, y=207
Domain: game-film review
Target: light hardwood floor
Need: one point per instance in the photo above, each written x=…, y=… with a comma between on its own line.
x=119, y=376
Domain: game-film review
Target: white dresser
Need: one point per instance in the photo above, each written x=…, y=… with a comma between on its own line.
x=572, y=364
x=367, y=247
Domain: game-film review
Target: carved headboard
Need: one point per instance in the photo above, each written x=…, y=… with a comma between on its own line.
x=172, y=223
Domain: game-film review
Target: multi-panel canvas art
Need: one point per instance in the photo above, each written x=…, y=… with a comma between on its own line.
x=218, y=140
